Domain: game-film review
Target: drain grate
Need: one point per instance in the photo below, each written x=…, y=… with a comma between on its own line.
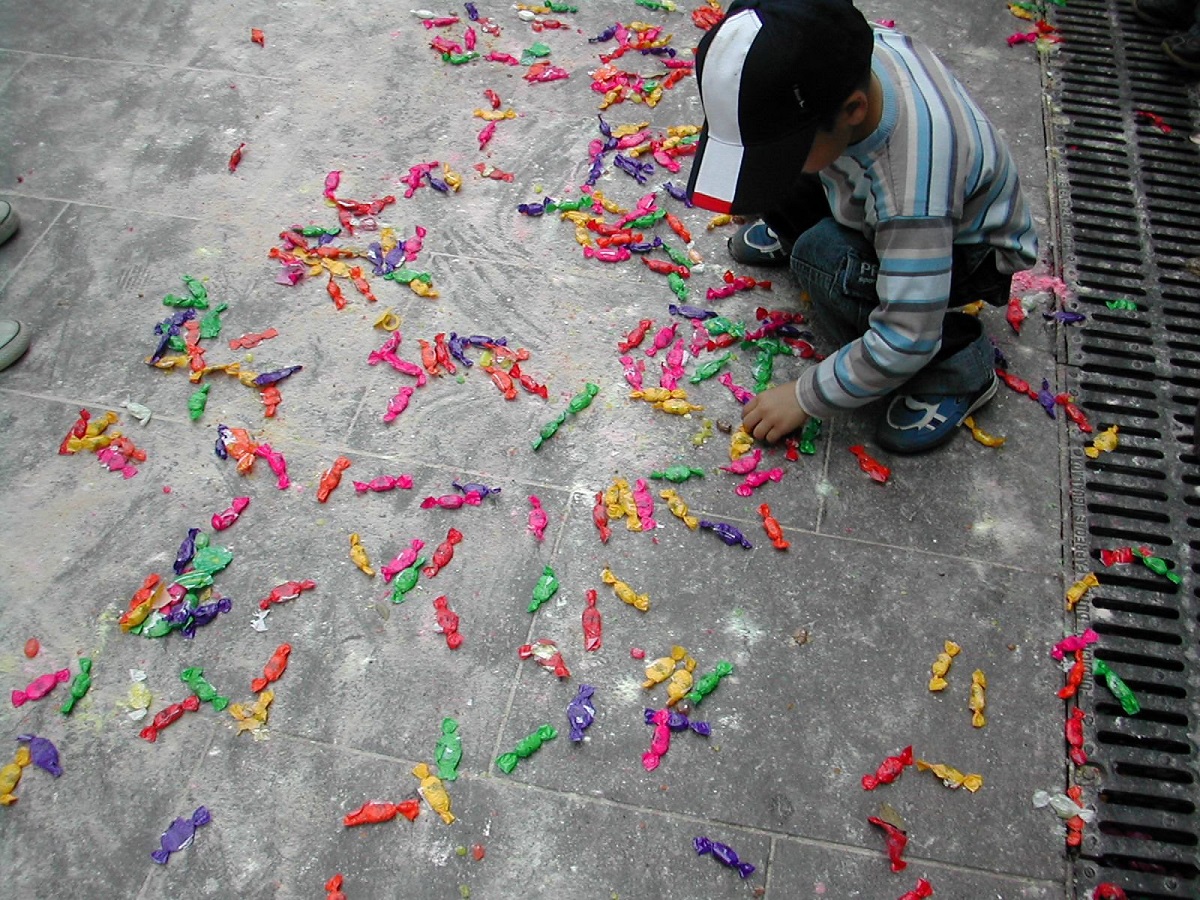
x=1130, y=212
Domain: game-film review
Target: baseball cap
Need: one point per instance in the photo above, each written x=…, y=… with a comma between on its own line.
x=769, y=72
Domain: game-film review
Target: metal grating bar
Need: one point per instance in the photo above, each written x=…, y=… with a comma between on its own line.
x=1129, y=196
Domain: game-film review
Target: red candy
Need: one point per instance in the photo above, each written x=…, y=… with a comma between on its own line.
x=592, y=634
x=375, y=811
x=444, y=553
x=274, y=668
x=32, y=647
x=889, y=770
x=289, y=590
x=873, y=467
x=171, y=714
x=235, y=159
x=897, y=840
x=447, y=621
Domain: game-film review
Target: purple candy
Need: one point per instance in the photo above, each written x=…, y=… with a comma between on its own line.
x=482, y=340
x=645, y=246
x=596, y=171
x=726, y=532
x=723, y=853
x=437, y=184
x=690, y=312
x=473, y=487
x=1046, y=398
x=531, y=209
x=472, y=12
x=394, y=257
x=188, y=548
x=604, y=127
x=42, y=753
x=606, y=35
x=278, y=375
x=580, y=712
x=180, y=834
x=457, y=347
x=632, y=167
x=1066, y=316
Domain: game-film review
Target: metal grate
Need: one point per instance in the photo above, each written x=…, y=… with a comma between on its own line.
x=1129, y=196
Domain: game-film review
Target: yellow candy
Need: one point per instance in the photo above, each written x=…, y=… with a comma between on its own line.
x=10, y=775
x=252, y=718
x=682, y=131
x=358, y=553
x=660, y=670
x=718, y=220
x=247, y=378
x=941, y=666
x=434, y=792
x=980, y=435
x=170, y=362
x=611, y=97
x=740, y=444
x=92, y=442
x=387, y=236
x=1076, y=591
x=951, y=777
x=624, y=592
x=138, y=701
x=421, y=289
x=612, y=498
x=1020, y=13
x=677, y=407
x=495, y=115
x=336, y=267
x=658, y=394
x=611, y=205
x=387, y=320
x=678, y=508
x=978, y=698
x=1105, y=442
x=452, y=178
x=681, y=681
x=633, y=128
x=583, y=237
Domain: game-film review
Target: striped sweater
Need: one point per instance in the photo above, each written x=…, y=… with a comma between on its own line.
x=934, y=173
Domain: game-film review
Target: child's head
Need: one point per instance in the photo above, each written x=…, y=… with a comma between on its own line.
x=772, y=74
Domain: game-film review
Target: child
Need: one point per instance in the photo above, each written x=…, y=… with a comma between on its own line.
x=888, y=191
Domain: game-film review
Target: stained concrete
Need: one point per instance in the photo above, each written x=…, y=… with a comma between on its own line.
x=121, y=123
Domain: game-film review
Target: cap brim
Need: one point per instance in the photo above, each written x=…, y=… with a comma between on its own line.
x=732, y=178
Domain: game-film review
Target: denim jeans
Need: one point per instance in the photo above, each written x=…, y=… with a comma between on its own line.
x=838, y=267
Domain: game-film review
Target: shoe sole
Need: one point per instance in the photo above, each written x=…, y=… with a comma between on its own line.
x=949, y=433
x=14, y=349
x=8, y=225
x=748, y=255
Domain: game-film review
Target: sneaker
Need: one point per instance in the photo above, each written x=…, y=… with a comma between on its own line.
x=14, y=341
x=1176, y=14
x=8, y=221
x=757, y=245
x=914, y=423
x=1184, y=49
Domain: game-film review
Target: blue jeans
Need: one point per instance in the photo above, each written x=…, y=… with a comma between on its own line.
x=838, y=268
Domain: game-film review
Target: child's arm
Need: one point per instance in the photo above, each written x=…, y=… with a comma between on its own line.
x=774, y=414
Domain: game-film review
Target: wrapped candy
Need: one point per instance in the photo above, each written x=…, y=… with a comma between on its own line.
x=978, y=698
x=285, y=592
x=772, y=527
x=660, y=670
x=253, y=718
x=546, y=587
x=708, y=682
x=679, y=509
x=225, y=518
x=403, y=560
x=1076, y=592
x=358, y=554
x=406, y=580
x=40, y=686
x=448, y=752
x=624, y=592
x=274, y=668
x=1105, y=442
x=1074, y=642
x=42, y=753
x=538, y=519
x=375, y=811
x=592, y=623
x=331, y=478
x=896, y=839
x=1073, y=729
x=920, y=892
x=730, y=534
x=873, y=467
x=889, y=770
x=10, y=775
x=660, y=743
x=722, y=853
x=546, y=654
x=194, y=678
x=167, y=716
x=444, y=553
x=447, y=622
x=681, y=682
x=951, y=777
x=1074, y=678
x=434, y=792
x=581, y=712
x=1116, y=685
x=525, y=747
x=180, y=834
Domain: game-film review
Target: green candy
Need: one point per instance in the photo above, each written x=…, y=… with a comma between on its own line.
x=196, y=288
x=1121, y=304
x=1120, y=690
x=678, y=286
x=406, y=580
x=707, y=683
x=763, y=369
x=458, y=59
x=527, y=746
x=570, y=205
x=184, y=302
x=678, y=474
x=809, y=435
x=319, y=231
x=710, y=369
x=198, y=401
x=1157, y=566
x=211, y=559
x=199, y=578
x=583, y=399
x=448, y=753
x=649, y=220
x=560, y=7
x=210, y=323
x=80, y=685
x=721, y=325
x=545, y=588
x=537, y=51
x=404, y=276
x=160, y=627
x=677, y=256
x=196, y=682
x=549, y=430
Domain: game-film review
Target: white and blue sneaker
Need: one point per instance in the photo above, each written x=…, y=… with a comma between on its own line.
x=914, y=423
x=757, y=244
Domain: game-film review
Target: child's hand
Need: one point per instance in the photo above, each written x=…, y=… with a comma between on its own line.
x=773, y=414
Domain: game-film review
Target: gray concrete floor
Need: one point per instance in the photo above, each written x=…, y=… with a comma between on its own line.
x=120, y=119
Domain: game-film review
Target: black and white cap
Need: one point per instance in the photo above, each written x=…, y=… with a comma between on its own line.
x=769, y=73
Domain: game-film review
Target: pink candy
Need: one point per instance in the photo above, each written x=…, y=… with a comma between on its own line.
x=405, y=559
x=746, y=464
x=538, y=520
x=755, y=480
x=40, y=687
x=1074, y=642
x=225, y=518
